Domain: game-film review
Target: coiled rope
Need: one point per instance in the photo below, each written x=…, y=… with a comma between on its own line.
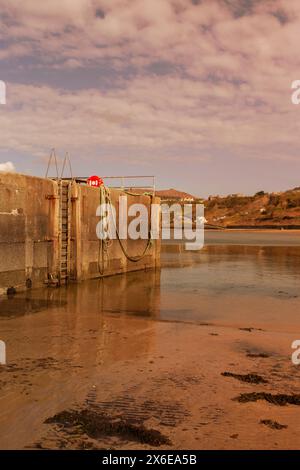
x=105, y=244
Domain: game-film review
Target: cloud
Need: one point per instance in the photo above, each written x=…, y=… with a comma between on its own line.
x=199, y=75
x=151, y=114
x=7, y=167
x=136, y=29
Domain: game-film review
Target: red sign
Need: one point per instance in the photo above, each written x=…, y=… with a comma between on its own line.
x=95, y=181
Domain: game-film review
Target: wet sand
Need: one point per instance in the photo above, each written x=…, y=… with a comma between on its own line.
x=158, y=359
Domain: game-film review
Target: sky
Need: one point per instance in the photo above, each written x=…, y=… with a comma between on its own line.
x=195, y=92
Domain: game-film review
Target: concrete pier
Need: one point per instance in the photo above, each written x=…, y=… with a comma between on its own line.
x=44, y=241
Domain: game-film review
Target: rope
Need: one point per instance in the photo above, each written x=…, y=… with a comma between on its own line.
x=135, y=259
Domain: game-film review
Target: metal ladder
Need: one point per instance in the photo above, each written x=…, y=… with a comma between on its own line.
x=64, y=230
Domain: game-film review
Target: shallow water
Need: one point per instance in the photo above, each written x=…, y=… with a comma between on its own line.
x=241, y=285
x=253, y=237
x=232, y=285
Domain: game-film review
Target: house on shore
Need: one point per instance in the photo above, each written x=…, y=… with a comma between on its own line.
x=173, y=195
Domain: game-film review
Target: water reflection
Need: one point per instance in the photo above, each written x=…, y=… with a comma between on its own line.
x=265, y=260
x=19, y=305
x=134, y=293
x=227, y=284
x=233, y=285
x=59, y=342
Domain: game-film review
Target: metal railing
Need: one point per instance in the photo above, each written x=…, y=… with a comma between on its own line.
x=125, y=183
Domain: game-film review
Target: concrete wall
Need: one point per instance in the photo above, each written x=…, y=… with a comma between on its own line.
x=25, y=228
x=87, y=260
x=29, y=234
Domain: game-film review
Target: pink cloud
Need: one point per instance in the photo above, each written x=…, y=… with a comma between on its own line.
x=228, y=86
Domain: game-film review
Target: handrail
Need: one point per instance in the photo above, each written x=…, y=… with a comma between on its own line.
x=131, y=186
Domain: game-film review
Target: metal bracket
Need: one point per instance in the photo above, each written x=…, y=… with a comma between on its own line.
x=52, y=156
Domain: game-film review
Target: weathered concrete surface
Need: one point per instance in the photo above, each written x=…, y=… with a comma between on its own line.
x=29, y=234
x=26, y=226
x=88, y=261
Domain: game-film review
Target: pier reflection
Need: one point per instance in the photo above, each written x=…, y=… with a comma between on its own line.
x=60, y=321
x=59, y=342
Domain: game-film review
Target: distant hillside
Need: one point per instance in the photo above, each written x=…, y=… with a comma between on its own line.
x=175, y=195
x=262, y=209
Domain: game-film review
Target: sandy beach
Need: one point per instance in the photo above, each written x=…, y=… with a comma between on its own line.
x=165, y=376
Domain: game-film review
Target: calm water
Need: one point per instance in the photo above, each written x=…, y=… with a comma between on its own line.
x=242, y=285
x=259, y=238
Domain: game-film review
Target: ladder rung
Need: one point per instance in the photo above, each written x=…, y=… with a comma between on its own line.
x=65, y=230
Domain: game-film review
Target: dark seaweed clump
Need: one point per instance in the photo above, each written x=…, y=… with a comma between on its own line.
x=279, y=399
x=258, y=355
x=251, y=329
x=249, y=378
x=273, y=424
x=97, y=425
